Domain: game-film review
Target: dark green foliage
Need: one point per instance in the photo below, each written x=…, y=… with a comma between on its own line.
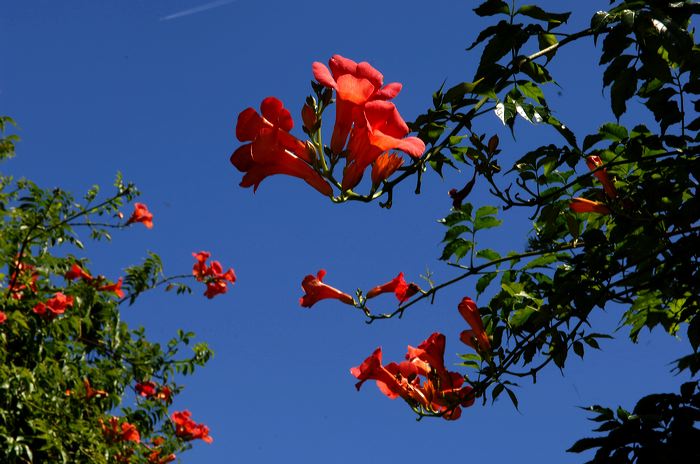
x=662, y=429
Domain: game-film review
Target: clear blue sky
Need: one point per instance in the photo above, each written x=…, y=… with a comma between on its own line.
x=152, y=88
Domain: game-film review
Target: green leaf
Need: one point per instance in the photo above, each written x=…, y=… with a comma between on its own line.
x=486, y=222
x=612, y=131
x=541, y=261
x=545, y=41
x=458, y=248
x=463, y=214
x=513, y=398
x=455, y=232
x=623, y=89
x=497, y=390
x=520, y=317
x=532, y=90
x=535, y=12
x=536, y=72
x=488, y=254
x=492, y=7
x=456, y=93
x=486, y=211
x=586, y=444
x=484, y=282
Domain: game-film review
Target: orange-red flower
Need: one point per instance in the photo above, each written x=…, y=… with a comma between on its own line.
x=154, y=457
x=116, y=432
x=379, y=128
x=440, y=391
x=385, y=166
x=355, y=84
x=92, y=392
x=584, y=205
x=77, y=272
x=146, y=389
x=142, y=215
x=398, y=286
x=164, y=394
x=54, y=306
x=23, y=277
x=477, y=337
x=212, y=275
x=272, y=149
x=595, y=164
x=3, y=317
x=188, y=429
x=115, y=288
x=315, y=290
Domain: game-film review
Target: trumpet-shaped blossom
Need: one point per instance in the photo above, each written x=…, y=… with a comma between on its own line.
x=92, y=392
x=142, y=215
x=146, y=389
x=212, y=275
x=315, y=290
x=115, y=288
x=477, y=337
x=164, y=394
x=421, y=380
x=398, y=286
x=3, y=317
x=188, y=429
x=595, y=164
x=584, y=205
x=355, y=84
x=380, y=129
x=23, y=277
x=116, y=432
x=77, y=272
x=154, y=457
x=272, y=149
x=54, y=306
x=384, y=166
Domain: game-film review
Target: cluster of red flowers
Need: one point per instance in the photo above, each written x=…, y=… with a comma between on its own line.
x=422, y=380
x=272, y=149
x=154, y=457
x=23, y=277
x=367, y=127
x=584, y=205
x=439, y=391
x=117, y=431
x=54, y=306
x=212, y=275
x=188, y=429
x=364, y=114
x=150, y=389
x=77, y=272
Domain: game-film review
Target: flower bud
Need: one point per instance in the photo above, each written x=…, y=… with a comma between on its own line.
x=308, y=116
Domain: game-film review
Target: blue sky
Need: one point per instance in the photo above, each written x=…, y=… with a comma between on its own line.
x=152, y=88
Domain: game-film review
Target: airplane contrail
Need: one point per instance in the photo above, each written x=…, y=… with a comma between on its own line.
x=197, y=9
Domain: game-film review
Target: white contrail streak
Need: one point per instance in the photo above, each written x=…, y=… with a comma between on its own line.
x=197, y=9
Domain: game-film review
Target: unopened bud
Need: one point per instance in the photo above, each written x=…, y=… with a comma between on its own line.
x=308, y=116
